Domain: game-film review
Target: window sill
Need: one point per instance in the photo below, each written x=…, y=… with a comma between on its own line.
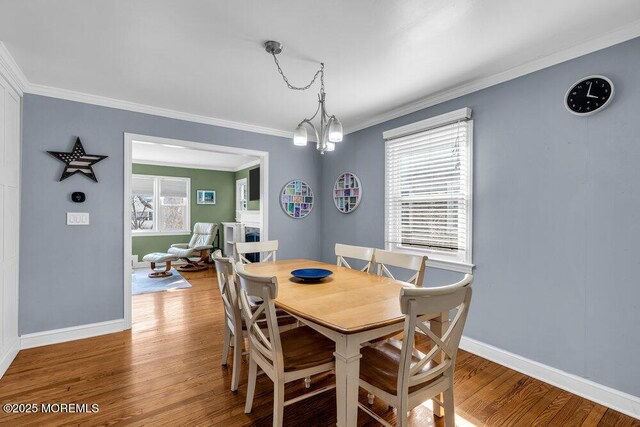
x=434, y=261
x=460, y=267
x=160, y=233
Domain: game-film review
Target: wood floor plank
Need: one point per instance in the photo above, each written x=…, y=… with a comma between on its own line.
x=167, y=371
x=594, y=416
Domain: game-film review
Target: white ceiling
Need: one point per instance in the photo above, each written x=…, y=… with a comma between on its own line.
x=206, y=57
x=174, y=155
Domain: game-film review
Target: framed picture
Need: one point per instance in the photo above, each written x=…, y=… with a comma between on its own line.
x=206, y=197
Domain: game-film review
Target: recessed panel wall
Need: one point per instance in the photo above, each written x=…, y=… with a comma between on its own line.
x=9, y=221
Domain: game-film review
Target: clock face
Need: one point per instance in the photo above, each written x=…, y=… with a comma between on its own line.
x=589, y=95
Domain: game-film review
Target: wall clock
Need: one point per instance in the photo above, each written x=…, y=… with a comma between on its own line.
x=589, y=95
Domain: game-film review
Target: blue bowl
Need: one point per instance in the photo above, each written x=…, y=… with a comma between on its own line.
x=311, y=274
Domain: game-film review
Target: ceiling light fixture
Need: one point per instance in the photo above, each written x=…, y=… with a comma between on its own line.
x=330, y=126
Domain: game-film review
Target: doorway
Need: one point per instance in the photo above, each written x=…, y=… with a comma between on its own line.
x=188, y=148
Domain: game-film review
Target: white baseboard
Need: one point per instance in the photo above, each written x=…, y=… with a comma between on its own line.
x=5, y=362
x=56, y=336
x=607, y=396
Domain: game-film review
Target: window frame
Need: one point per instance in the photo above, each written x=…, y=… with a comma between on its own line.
x=157, y=207
x=436, y=258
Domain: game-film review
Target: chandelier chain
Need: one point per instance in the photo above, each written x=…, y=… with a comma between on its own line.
x=320, y=72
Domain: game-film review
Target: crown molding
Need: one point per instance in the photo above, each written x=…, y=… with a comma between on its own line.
x=11, y=71
x=190, y=166
x=120, y=104
x=10, y=68
x=181, y=165
x=247, y=165
x=620, y=35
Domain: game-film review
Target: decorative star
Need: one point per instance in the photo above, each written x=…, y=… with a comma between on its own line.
x=77, y=161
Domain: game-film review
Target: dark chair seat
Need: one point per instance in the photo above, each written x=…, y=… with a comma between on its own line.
x=380, y=365
x=305, y=348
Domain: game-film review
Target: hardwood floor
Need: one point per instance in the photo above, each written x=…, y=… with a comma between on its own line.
x=166, y=371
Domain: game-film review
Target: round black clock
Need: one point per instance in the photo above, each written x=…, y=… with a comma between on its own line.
x=588, y=95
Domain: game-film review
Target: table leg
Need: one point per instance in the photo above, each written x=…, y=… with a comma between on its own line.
x=439, y=326
x=347, y=379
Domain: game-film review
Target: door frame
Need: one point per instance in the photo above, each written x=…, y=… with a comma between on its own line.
x=263, y=157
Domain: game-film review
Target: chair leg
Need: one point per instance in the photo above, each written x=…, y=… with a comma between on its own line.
x=237, y=361
x=401, y=413
x=449, y=408
x=251, y=386
x=225, y=344
x=278, y=403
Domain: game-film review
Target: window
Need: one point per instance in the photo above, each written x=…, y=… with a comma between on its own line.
x=241, y=194
x=428, y=189
x=160, y=205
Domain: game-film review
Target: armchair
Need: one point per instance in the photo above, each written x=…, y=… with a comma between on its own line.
x=199, y=246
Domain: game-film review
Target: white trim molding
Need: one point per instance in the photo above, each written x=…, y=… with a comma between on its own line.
x=620, y=35
x=73, y=333
x=201, y=167
x=607, y=396
x=11, y=71
x=9, y=356
x=247, y=165
x=121, y=104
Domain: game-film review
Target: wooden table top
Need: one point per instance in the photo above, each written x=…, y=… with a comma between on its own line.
x=348, y=301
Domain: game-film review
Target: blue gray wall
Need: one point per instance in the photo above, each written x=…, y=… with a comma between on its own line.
x=73, y=275
x=555, y=227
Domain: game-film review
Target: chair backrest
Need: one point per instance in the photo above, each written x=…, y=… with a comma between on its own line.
x=224, y=270
x=269, y=247
x=203, y=234
x=354, y=252
x=416, y=302
x=415, y=263
x=250, y=287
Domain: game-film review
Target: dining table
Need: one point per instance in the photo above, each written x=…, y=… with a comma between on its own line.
x=350, y=307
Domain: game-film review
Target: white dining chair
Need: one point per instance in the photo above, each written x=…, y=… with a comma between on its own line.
x=354, y=252
x=234, y=327
x=404, y=377
x=415, y=263
x=268, y=247
x=283, y=356
x=233, y=317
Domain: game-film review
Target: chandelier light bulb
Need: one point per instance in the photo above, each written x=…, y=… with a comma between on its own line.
x=335, y=130
x=300, y=136
x=330, y=146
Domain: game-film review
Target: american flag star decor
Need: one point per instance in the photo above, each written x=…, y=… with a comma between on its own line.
x=77, y=161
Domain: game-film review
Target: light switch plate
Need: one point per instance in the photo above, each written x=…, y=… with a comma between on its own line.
x=77, y=218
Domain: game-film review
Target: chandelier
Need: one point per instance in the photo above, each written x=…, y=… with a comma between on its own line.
x=330, y=128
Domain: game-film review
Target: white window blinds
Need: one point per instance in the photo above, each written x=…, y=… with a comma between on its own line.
x=428, y=192
x=170, y=187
